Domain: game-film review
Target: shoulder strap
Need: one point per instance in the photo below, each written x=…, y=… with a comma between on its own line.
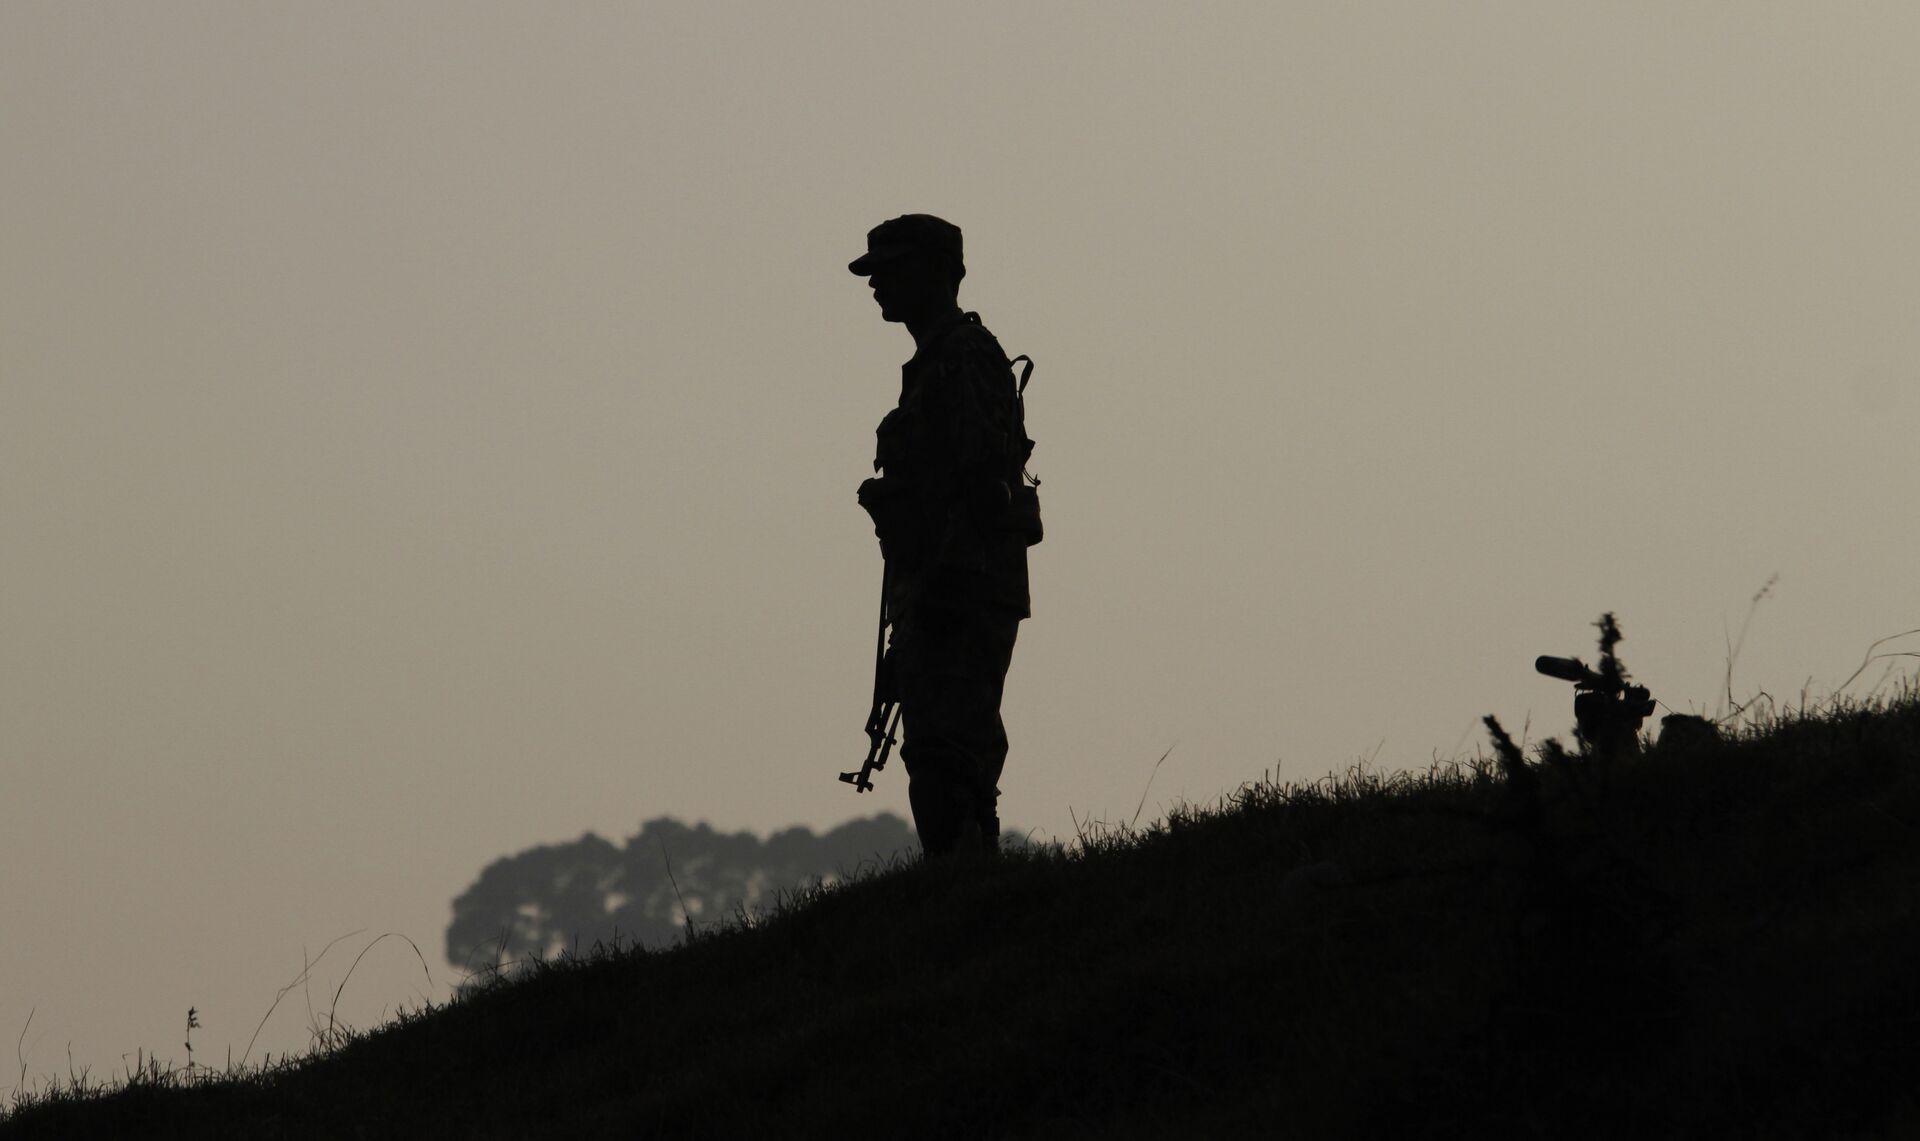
x=1024, y=374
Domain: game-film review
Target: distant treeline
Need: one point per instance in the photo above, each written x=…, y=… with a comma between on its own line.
x=645, y=890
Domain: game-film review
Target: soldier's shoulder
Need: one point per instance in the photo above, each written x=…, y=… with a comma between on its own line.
x=971, y=341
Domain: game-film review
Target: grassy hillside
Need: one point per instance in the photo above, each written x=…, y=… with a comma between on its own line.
x=1712, y=940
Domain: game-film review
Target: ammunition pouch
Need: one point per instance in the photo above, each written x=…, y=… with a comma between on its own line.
x=1022, y=515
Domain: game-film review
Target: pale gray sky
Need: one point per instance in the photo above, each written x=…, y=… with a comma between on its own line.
x=430, y=430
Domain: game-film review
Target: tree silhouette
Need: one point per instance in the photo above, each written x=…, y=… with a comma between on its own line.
x=646, y=890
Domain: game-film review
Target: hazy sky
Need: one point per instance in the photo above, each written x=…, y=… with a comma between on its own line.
x=431, y=429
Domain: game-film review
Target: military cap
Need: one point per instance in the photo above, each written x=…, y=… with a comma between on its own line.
x=909, y=234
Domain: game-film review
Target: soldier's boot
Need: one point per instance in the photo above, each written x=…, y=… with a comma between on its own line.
x=971, y=840
x=983, y=826
x=940, y=813
x=949, y=821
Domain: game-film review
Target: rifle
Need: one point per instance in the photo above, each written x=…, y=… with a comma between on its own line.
x=883, y=719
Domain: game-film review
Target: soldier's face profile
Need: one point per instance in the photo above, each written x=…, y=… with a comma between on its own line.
x=908, y=286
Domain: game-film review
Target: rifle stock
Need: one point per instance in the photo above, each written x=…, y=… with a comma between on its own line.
x=883, y=725
x=883, y=719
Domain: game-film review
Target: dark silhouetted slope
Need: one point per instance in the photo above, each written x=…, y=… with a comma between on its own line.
x=1716, y=942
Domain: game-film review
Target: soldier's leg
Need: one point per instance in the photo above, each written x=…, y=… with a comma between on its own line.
x=935, y=749
x=951, y=673
x=987, y=732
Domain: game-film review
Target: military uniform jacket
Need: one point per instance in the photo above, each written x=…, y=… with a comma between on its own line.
x=949, y=453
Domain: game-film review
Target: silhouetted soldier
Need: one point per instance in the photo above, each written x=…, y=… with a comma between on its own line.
x=954, y=522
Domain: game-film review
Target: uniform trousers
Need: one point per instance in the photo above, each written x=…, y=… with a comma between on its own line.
x=949, y=669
